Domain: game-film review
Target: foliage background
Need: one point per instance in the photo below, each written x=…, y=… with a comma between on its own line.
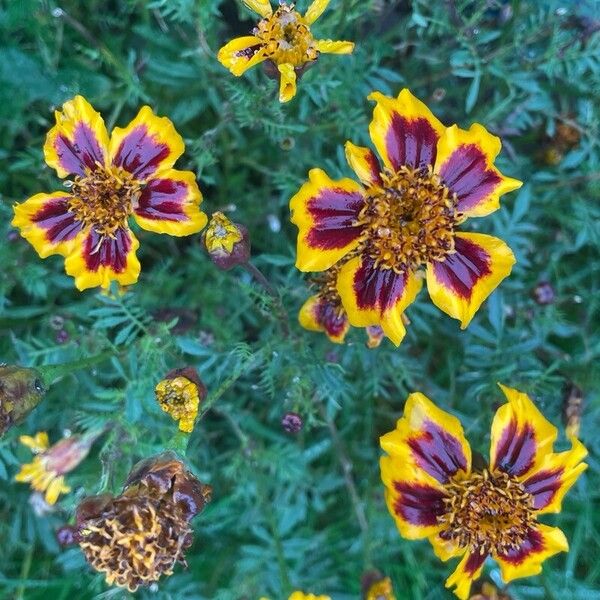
x=301, y=511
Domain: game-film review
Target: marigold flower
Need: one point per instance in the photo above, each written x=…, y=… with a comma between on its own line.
x=284, y=39
x=140, y=535
x=403, y=217
x=129, y=174
x=46, y=472
x=227, y=243
x=324, y=312
x=179, y=395
x=433, y=491
x=21, y=390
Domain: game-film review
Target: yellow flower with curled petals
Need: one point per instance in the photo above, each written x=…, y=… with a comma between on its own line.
x=381, y=590
x=179, y=398
x=399, y=225
x=129, y=174
x=283, y=39
x=433, y=490
x=221, y=234
x=50, y=463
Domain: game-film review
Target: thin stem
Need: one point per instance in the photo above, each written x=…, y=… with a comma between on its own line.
x=52, y=373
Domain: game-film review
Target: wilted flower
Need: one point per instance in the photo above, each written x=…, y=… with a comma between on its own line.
x=404, y=216
x=572, y=409
x=46, y=472
x=227, y=243
x=433, y=491
x=140, y=535
x=21, y=390
x=179, y=394
x=284, y=39
x=130, y=174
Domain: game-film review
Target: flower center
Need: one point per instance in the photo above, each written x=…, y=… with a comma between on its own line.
x=409, y=219
x=489, y=512
x=104, y=198
x=286, y=37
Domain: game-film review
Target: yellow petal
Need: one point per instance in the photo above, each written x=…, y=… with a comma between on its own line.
x=331, y=47
x=315, y=10
x=287, y=82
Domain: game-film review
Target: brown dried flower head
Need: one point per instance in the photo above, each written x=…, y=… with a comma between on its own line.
x=21, y=390
x=140, y=535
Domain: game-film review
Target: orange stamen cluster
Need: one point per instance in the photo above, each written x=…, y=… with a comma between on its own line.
x=409, y=220
x=286, y=37
x=491, y=512
x=104, y=198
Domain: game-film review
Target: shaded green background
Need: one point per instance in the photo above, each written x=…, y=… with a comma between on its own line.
x=282, y=516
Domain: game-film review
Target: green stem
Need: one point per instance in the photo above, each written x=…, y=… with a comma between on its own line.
x=52, y=373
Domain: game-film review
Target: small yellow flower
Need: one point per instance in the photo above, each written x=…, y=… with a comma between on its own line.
x=435, y=491
x=221, y=234
x=298, y=595
x=284, y=39
x=46, y=472
x=179, y=395
x=381, y=590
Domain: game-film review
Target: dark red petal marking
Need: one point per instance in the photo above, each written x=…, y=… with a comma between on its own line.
x=249, y=52
x=463, y=269
x=59, y=223
x=475, y=560
x=543, y=486
x=334, y=212
x=140, y=153
x=516, y=449
x=327, y=315
x=437, y=452
x=418, y=504
x=374, y=167
x=532, y=544
x=82, y=151
x=465, y=173
x=104, y=251
x=377, y=288
x=163, y=199
x=411, y=142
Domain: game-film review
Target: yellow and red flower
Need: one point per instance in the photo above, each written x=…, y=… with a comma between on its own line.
x=404, y=216
x=324, y=312
x=129, y=174
x=283, y=39
x=433, y=491
x=46, y=472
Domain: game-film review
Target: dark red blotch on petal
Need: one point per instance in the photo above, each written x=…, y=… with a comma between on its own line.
x=516, y=449
x=59, y=223
x=104, y=251
x=140, y=153
x=82, y=151
x=411, y=142
x=532, y=544
x=374, y=167
x=474, y=561
x=543, y=486
x=462, y=270
x=437, y=452
x=334, y=212
x=163, y=199
x=377, y=288
x=466, y=173
x=418, y=504
x=328, y=315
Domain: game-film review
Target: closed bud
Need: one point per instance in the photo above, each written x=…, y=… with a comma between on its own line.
x=21, y=390
x=227, y=243
x=140, y=535
x=572, y=409
x=292, y=422
x=543, y=293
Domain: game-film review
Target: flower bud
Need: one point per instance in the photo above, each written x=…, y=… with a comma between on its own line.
x=227, y=243
x=376, y=587
x=140, y=535
x=66, y=535
x=488, y=591
x=179, y=394
x=21, y=390
x=543, y=293
x=572, y=409
x=292, y=422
